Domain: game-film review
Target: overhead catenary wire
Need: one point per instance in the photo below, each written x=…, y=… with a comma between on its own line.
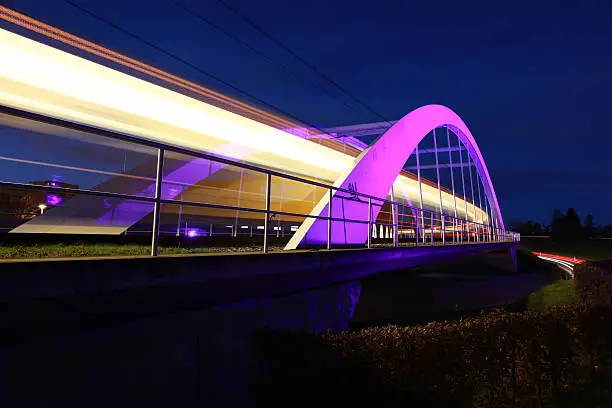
x=251, y=48
x=301, y=59
x=110, y=55
x=191, y=65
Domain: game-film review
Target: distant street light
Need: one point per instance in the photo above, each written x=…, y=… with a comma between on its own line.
x=42, y=208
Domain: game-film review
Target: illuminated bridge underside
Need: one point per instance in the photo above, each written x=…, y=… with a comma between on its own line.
x=41, y=79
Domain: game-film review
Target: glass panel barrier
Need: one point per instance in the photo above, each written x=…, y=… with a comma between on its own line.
x=189, y=178
x=201, y=229
x=65, y=229
x=48, y=191
x=68, y=158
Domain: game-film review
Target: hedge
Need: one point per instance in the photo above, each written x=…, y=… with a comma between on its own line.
x=495, y=360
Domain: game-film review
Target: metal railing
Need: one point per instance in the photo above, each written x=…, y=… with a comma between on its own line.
x=441, y=226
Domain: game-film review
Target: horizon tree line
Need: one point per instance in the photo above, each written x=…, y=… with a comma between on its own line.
x=564, y=227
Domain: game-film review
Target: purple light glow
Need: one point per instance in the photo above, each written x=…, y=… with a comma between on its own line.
x=53, y=199
x=188, y=174
x=88, y=214
x=192, y=233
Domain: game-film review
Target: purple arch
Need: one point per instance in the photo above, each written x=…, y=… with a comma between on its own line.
x=375, y=170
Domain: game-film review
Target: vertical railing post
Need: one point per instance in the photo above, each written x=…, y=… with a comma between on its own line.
x=496, y=230
x=180, y=213
x=159, y=174
x=394, y=217
x=443, y=229
x=417, y=236
x=432, y=229
x=476, y=238
x=488, y=231
x=280, y=208
x=491, y=223
x=369, y=222
x=329, y=218
x=418, y=163
x=442, y=226
x=267, y=220
x=450, y=161
x=457, y=230
x=467, y=232
x=235, y=231
x=482, y=229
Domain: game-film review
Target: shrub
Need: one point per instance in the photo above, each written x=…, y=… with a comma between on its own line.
x=498, y=359
x=584, y=274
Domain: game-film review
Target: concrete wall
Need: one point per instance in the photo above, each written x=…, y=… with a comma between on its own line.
x=39, y=296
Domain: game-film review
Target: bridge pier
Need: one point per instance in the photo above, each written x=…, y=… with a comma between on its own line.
x=512, y=251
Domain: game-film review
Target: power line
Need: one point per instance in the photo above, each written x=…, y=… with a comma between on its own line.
x=254, y=50
x=189, y=64
x=299, y=58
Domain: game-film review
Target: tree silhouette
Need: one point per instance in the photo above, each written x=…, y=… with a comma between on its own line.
x=589, y=227
x=566, y=227
x=557, y=220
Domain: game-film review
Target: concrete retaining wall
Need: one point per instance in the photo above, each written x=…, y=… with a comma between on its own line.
x=48, y=295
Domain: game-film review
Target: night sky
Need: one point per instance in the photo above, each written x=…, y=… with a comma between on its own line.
x=532, y=80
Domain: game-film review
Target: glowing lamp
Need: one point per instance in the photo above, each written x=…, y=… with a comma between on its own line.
x=53, y=199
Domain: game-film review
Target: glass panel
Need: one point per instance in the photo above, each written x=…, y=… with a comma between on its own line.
x=32, y=225
x=407, y=223
x=282, y=228
x=295, y=196
x=198, y=229
x=188, y=178
x=42, y=154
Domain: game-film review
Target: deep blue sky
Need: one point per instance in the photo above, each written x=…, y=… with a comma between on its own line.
x=533, y=80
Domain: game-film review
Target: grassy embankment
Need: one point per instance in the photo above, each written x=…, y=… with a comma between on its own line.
x=562, y=292
x=95, y=250
x=556, y=294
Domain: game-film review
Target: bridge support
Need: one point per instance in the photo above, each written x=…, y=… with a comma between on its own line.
x=512, y=251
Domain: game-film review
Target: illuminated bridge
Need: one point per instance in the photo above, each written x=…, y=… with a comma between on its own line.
x=99, y=147
x=118, y=147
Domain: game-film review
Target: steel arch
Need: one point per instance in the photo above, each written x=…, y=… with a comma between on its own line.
x=377, y=167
